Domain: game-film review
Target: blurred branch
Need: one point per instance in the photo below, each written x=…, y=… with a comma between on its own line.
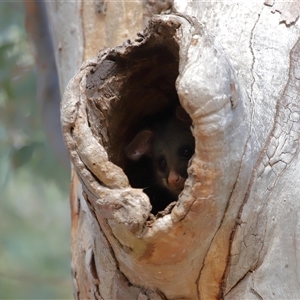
x=48, y=94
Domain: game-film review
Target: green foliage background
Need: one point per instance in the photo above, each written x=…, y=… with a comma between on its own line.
x=34, y=207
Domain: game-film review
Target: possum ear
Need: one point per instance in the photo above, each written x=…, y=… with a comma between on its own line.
x=183, y=116
x=140, y=145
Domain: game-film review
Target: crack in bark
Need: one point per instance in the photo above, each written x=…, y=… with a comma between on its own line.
x=221, y=290
x=226, y=270
x=236, y=284
x=280, y=117
x=252, y=53
x=93, y=272
x=256, y=293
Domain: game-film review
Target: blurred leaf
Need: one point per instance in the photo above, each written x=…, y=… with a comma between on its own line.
x=4, y=47
x=6, y=85
x=21, y=156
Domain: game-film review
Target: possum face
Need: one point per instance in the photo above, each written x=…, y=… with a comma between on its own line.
x=173, y=147
x=170, y=145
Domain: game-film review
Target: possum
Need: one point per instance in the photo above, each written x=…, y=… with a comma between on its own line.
x=169, y=145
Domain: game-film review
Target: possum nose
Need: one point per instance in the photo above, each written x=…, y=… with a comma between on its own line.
x=175, y=181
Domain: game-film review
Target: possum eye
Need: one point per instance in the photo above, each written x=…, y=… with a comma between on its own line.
x=162, y=163
x=186, y=152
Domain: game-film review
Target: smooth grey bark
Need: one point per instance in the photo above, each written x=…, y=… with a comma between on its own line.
x=264, y=52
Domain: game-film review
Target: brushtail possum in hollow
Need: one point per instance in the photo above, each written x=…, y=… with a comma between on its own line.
x=169, y=145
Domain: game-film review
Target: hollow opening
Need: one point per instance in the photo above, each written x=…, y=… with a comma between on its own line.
x=138, y=87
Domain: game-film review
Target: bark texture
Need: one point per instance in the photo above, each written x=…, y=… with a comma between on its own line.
x=264, y=52
x=233, y=233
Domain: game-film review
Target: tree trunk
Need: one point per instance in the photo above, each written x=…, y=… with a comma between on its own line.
x=233, y=232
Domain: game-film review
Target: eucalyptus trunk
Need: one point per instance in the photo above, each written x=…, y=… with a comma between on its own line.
x=233, y=233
